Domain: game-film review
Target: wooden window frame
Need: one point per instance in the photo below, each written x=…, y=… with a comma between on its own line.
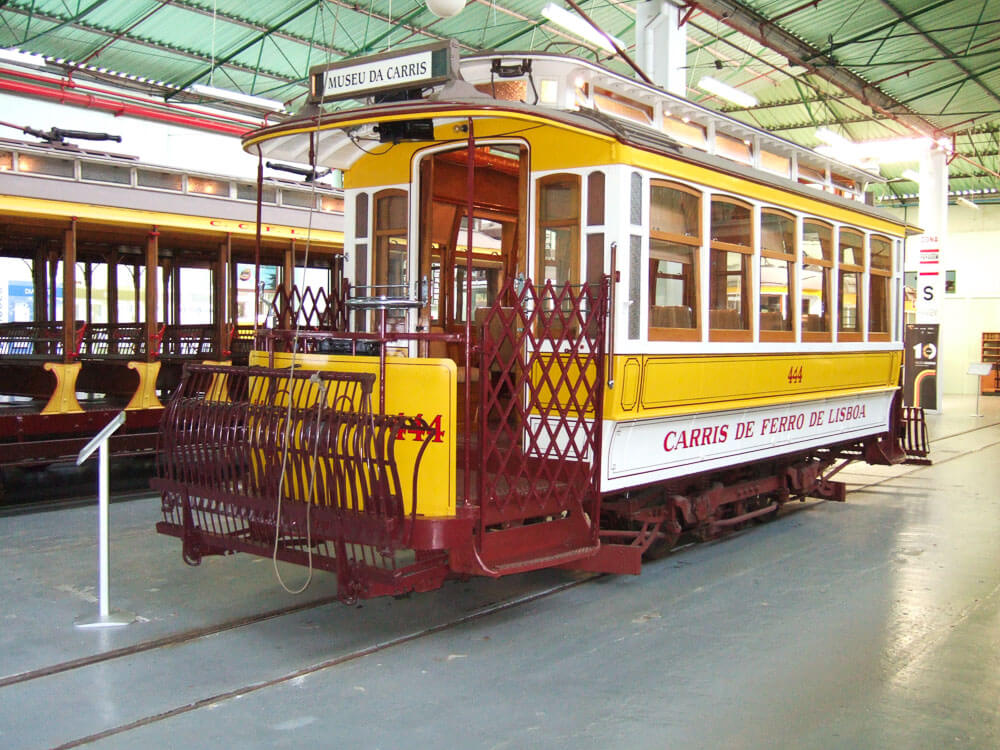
x=572, y=223
x=787, y=257
x=381, y=235
x=845, y=268
x=693, y=241
x=826, y=263
x=734, y=334
x=886, y=274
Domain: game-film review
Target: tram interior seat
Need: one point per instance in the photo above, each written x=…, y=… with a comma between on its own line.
x=674, y=316
x=772, y=321
x=812, y=322
x=726, y=319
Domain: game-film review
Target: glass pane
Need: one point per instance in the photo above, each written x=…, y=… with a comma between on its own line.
x=634, y=284
x=390, y=212
x=636, y=199
x=105, y=173
x=777, y=233
x=878, y=303
x=6, y=161
x=731, y=223
x=595, y=199
x=559, y=201
x=733, y=148
x=206, y=186
x=775, y=163
x=881, y=249
x=299, y=198
x=361, y=216
x=688, y=133
x=196, y=291
x=161, y=180
x=558, y=247
x=815, y=291
x=674, y=211
x=672, y=291
x=45, y=165
x=727, y=290
x=852, y=248
x=850, y=302
x=817, y=240
x=775, y=295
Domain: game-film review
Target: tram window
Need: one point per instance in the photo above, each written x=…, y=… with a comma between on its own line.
x=811, y=177
x=688, y=133
x=729, y=274
x=775, y=163
x=331, y=204
x=105, y=173
x=880, y=273
x=206, y=186
x=817, y=264
x=361, y=216
x=196, y=291
x=6, y=161
x=248, y=192
x=851, y=257
x=45, y=165
x=777, y=248
x=162, y=180
x=733, y=148
x=391, y=250
x=298, y=198
x=674, y=244
x=559, y=229
x=595, y=199
x=852, y=248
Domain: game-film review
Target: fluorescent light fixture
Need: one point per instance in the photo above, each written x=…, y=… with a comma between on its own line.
x=236, y=97
x=579, y=27
x=833, y=138
x=742, y=98
x=911, y=175
x=22, y=58
x=966, y=202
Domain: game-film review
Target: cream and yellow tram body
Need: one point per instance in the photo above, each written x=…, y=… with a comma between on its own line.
x=584, y=317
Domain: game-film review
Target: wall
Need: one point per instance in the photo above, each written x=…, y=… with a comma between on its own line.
x=972, y=250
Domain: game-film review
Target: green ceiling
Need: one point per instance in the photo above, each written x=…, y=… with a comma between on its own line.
x=869, y=69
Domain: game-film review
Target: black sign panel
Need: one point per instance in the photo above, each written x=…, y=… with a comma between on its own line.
x=920, y=365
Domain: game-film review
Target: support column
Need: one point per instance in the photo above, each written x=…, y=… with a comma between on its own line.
x=39, y=278
x=219, y=313
x=933, y=219
x=152, y=314
x=69, y=291
x=661, y=44
x=113, y=287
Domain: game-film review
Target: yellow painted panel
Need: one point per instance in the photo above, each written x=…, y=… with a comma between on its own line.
x=425, y=387
x=688, y=384
x=552, y=147
x=17, y=205
x=752, y=189
x=63, y=399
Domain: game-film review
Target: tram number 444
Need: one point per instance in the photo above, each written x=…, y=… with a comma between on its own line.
x=795, y=374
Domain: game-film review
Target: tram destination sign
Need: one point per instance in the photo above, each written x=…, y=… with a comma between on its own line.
x=414, y=67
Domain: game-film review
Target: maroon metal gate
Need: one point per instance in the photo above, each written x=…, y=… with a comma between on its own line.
x=541, y=385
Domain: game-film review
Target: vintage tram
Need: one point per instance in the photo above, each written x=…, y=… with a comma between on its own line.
x=582, y=318
x=115, y=272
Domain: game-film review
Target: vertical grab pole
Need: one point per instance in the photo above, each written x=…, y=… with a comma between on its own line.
x=99, y=442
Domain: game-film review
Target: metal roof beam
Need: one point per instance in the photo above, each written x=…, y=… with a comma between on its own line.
x=949, y=55
x=758, y=28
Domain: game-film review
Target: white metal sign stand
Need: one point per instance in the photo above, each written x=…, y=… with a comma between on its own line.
x=979, y=369
x=105, y=619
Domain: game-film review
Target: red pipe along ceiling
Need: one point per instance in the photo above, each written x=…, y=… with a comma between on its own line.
x=120, y=108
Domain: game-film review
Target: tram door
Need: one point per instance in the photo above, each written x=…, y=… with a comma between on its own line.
x=499, y=209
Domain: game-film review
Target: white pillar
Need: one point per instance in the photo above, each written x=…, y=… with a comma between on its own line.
x=932, y=217
x=661, y=45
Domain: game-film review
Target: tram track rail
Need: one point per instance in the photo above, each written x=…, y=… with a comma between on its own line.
x=166, y=642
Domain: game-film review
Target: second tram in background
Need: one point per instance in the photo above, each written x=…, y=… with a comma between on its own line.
x=115, y=273
x=587, y=317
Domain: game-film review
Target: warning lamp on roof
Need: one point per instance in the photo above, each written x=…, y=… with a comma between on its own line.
x=445, y=8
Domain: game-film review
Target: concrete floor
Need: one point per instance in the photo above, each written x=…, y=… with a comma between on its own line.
x=870, y=624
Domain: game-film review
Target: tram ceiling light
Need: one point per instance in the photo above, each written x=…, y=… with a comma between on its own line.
x=22, y=58
x=832, y=138
x=579, y=27
x=235, y=97
x=727, y=92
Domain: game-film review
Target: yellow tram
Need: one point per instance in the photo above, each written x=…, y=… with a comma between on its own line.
x=585, y=317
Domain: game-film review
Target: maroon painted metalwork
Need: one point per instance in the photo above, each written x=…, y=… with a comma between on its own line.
x=123, y=341
x=38, y=341
x=311, y=308
x=316, y=482
x=540, y=425
x=913, y=434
